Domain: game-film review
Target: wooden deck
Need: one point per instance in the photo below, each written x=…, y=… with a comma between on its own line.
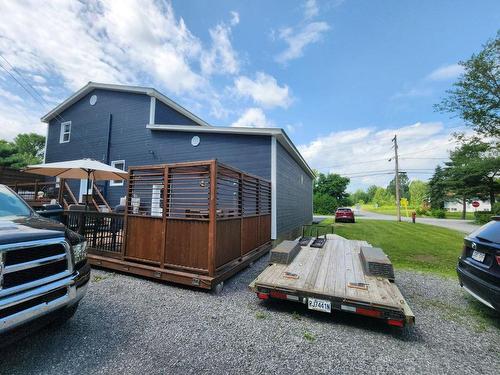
x=334, y=272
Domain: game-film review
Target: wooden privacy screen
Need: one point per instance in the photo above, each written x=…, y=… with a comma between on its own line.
x=199, y=217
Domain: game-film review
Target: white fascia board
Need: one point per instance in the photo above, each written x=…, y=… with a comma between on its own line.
x=280, y=135
x=124, y=88
x=274, y=174
x=46, y=140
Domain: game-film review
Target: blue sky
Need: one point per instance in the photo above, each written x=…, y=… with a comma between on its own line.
x=341, y=77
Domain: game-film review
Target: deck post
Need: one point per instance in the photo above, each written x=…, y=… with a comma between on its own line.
x=163, y=254
x=60, y=193
x=36, y=191
x=212, y=215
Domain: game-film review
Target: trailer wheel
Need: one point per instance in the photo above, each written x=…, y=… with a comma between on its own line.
x=217, y=290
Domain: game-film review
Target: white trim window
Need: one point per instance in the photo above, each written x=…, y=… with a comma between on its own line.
x=65, y=134
x=118, y=164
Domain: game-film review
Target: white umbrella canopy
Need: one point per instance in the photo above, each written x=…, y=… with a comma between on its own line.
x=82, y=169
x=78, y=169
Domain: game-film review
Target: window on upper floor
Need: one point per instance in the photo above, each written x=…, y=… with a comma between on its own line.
x=65, y=133
x=118, y=164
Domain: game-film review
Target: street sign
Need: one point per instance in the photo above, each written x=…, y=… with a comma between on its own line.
x=475, y=204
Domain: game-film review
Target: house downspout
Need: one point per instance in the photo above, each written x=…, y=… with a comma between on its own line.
x=107, y=157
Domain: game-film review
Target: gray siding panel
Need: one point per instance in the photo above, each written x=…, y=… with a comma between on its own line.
x=293, y=193
x=167, y=115
x=131, y=141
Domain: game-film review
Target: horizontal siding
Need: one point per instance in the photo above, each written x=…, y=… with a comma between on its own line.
x=165, y=114
x=131, y=141
x=293, y=193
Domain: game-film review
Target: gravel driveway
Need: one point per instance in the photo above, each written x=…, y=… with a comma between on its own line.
x=129, y=325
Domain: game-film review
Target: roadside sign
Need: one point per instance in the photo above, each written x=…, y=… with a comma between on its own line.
x=475, y=204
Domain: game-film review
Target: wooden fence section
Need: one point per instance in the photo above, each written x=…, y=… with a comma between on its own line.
x=193, y=223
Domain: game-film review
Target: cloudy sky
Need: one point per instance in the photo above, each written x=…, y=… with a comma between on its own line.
x=341, y=77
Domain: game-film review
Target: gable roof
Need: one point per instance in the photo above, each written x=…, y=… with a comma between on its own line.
x=278, y=133
x=123, y=88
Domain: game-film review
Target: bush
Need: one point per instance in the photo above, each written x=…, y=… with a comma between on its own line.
x=324, y=204
x=421, y=211
x=482, y=217
x=439, y=214
x=496, y=209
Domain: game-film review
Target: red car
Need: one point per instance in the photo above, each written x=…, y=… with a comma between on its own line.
x=344, y=214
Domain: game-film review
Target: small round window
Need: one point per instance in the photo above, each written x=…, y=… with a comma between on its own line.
x=195, y=141
x=93, y=99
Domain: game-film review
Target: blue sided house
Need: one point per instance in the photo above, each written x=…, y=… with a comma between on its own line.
x=127, y=126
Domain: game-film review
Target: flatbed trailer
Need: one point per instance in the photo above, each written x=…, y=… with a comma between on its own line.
x=333, y=278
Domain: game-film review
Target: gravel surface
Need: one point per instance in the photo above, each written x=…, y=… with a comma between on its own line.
x=130, y=325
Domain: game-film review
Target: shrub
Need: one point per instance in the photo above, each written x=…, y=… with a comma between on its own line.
x=496, y=209
x=324, y=204
x=440, y=214
x=482, y=217
x=421, y=211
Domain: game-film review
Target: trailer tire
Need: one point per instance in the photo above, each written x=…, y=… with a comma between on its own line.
x=217, y=290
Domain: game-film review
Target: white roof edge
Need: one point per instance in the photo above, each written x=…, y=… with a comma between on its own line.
x=134, y=89
x=279, y=133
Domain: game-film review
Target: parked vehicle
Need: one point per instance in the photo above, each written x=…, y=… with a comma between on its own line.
x=44, y=271
x=344, y=214
x=479, y=265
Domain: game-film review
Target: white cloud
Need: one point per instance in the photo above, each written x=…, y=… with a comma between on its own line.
x=253, y=118
x=62, y=45
x=264, y=90
x=235, y=18
x=311, y=9
x=360, y=151
x=299, y=38
x=445, y=73
x=221, y=58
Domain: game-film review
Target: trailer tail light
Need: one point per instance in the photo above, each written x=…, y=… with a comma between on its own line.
x=498, y=259
x=368, y=312
x=281, y=295
x=263, y=295
x=395, y=323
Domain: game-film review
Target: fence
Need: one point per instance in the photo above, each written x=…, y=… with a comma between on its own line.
x=194, y=223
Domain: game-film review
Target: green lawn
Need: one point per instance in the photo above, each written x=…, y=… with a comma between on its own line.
x=410, y=246
x=391, y=210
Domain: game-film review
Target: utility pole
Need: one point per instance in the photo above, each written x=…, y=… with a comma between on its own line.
x=398, y=197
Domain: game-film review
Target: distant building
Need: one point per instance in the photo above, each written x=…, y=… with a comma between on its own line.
x=455, y=205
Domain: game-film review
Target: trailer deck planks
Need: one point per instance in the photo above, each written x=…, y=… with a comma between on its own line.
x=335, y=273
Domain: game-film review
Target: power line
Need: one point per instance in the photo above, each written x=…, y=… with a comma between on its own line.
x=58, y=116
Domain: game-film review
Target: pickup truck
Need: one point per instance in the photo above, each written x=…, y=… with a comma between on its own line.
x=44, y=271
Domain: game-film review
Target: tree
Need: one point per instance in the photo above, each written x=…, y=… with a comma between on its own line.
x=371, y=193
x=8, y=155
x=24, y=150
x=333, y=185
x=473, y=171
x=31, y=146
x=383, y=197
x=359, y=196
x=330, y=193
x=437, y=189
x=475, y=97
x=418, y=193
x=404, y=186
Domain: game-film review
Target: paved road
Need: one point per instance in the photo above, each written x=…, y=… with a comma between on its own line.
x=128, y=325
x=465, y=226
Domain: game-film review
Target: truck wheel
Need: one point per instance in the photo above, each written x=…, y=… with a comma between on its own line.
x=64, y=315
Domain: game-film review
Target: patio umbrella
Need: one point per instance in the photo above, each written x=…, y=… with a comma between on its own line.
x=79, y=169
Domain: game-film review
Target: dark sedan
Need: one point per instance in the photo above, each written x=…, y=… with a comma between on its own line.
x=479, y=265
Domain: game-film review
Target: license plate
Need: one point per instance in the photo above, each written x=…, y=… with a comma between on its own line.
x=319, y=305
x=477, y=255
